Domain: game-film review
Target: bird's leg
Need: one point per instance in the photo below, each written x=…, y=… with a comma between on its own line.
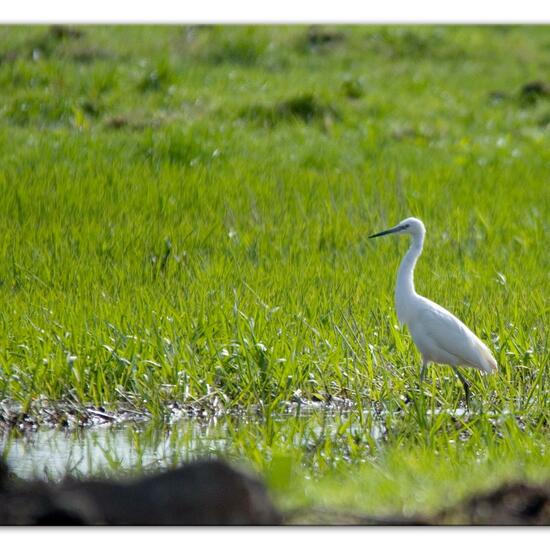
x=464, y=384
x=420, y=403
x=423, y=370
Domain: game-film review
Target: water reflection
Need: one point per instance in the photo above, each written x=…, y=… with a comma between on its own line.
x=313, y=435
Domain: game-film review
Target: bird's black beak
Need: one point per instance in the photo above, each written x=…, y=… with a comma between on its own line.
x=389, y=231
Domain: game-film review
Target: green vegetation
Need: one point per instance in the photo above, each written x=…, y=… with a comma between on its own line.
x=184, y=214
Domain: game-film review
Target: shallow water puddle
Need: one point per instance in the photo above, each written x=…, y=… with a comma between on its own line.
x=52, y=454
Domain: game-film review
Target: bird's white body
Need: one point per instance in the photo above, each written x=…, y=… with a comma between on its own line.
x=442, y=338
x=438, y=334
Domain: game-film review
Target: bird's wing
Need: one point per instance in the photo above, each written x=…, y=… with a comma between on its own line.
x=453, y=336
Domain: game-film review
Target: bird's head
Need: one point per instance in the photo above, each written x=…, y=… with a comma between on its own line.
x=409, y=226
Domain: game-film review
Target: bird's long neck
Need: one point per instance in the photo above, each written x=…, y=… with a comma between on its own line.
x=404, y=290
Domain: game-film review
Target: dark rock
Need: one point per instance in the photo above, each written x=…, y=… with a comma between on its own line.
x=533, y=91
x=201, y=493
x=65, y=31
x=319, y=36
x=303, y=108
x=511, y=504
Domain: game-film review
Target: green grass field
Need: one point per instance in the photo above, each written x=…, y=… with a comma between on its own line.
x=184, y=218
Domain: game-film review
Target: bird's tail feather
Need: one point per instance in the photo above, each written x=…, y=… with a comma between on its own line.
x=490, y=365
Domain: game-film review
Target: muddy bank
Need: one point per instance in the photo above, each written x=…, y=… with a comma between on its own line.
x=70, y=414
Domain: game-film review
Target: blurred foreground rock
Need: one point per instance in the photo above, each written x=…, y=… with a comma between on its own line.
x=201, y=493
x=214, y=493
x=510, y=504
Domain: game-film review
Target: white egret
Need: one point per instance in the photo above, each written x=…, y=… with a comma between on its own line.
x=438, y=334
